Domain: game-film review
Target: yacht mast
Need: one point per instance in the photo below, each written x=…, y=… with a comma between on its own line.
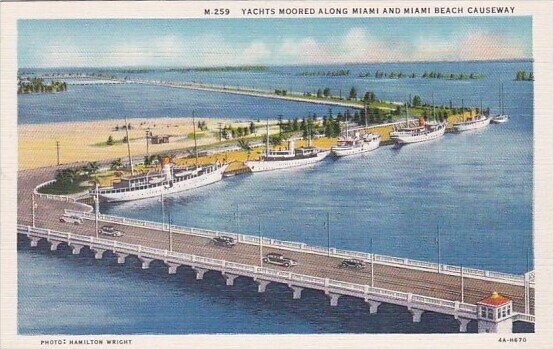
x=502, y=99
x=433, y=101
x=194, y=135
x=129, y=146
x=407, y=115
x=267, y=137
x=346, y=118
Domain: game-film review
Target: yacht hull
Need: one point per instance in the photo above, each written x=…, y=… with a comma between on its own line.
x=346, y=151
x=157, y=190
x=262, y=166
x=473, y=125
x=407, y=139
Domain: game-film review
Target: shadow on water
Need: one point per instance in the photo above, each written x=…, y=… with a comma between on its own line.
x=152, y=301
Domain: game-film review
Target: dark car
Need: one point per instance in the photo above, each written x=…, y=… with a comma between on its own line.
x=279, y=259
x=110, y=231
x=225, y=241
x=352, y=264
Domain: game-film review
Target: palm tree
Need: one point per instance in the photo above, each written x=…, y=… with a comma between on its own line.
x=245, y=145
x=116, y=164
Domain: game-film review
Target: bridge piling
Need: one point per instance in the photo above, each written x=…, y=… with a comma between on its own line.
x=145, y=262
x=76, y=249
x=296, y=291
x=262, y=284
x=54, y=245
x=463, y=324
x=121, y=257
x=199, y=272
x=416, y=314
x=98, y=252
x=333, y=298
x=373, y=306
x=172, y=267
x=229, y=278
x=34, y=241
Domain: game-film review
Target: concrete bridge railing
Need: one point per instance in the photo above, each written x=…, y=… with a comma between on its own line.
x=518, y=280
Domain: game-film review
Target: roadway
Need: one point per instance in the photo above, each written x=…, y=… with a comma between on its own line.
x=425, y=283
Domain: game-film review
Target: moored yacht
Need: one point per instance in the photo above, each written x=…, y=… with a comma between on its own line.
x=291, y=157
x=423, y=132
x=473, y=122
x=356, y=145
x=170, y=180
x=500, y=118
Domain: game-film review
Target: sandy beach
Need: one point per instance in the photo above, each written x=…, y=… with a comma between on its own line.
x=86, y=141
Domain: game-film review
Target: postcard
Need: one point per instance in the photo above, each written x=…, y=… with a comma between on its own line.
x=281, y=174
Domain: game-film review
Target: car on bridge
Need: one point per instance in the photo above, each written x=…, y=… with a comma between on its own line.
x=110, y=231
x=352, y=264
x=225, y=241
x=71, y=219
x=279, y=259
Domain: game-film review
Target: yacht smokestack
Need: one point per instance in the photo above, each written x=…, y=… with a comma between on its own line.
x=166, y=168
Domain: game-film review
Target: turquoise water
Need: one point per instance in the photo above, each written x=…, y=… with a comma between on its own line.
x=476, y=187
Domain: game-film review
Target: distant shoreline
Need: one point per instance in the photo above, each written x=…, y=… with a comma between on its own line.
x=515, y=60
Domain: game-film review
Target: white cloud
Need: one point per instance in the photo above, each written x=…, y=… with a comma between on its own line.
x=357, y=45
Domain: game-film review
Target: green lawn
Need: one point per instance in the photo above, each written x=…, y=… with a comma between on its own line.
x=57, y=188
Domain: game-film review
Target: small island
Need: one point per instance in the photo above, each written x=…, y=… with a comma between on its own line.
x=524, y=76
x=37, y=85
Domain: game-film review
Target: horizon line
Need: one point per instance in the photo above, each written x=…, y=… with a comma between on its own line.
x=289, y=65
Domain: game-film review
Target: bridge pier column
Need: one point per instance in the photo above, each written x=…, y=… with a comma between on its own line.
x=416, y=314
x=296, y=291
x=98, y=253
x=229, y=278
x=121, y=258
x=333, y=298
x=34, y=241
x=199, y=272
x=463, y=324
x=262, y=284
x=76, y=249
x=145, y=262
x=54, y=245
x=172, y=268
x=373, y=306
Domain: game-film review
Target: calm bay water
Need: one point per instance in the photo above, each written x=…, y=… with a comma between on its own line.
x=475, y=187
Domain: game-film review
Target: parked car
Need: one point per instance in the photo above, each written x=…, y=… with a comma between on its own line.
x=352, y=264
x=71, y=219
x=225, y=241
x=279, y=259
x=110, y=231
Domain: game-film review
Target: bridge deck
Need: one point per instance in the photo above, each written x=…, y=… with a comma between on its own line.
x=402, y=279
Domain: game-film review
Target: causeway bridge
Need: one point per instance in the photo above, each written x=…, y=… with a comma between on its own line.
x=420, y=286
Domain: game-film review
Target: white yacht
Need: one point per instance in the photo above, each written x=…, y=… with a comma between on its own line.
x=356, y=145
x=170, y=180
x=291, y=157
x=472, y=123
x=500, y=118
x=423, y=132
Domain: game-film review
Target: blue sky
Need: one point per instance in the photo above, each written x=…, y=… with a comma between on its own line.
x=197, y=42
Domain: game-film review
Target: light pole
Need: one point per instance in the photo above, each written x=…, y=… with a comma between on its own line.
x=462, y=280
x=169, y=230
x=438, y=242
x=261, y=242
x=58, y=152
x=163, y=213
x=96, y=208
x=33, y=210
x=328, y=234
x=372, y=260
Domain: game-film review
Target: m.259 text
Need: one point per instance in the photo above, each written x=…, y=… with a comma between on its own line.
x=217, y=12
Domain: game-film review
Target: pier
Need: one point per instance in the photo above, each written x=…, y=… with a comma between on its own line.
x=419, y=286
